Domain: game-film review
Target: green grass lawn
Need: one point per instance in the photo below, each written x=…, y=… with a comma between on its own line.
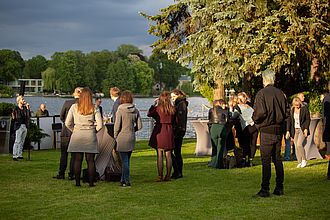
x=28, y=191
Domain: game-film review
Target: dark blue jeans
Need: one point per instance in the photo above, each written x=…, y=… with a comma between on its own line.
x=270, y=149
x=287, y=151
x=125, y=160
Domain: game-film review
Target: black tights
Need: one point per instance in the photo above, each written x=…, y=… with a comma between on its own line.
x=78, y=158
x=160, y=162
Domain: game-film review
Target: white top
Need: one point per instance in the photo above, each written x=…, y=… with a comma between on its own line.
x=296, y=120
x=246, y=115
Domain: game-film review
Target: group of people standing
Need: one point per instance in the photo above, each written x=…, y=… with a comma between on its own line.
x=170, y=114
x=228, y=123
x=82, y=120
x=270, y=115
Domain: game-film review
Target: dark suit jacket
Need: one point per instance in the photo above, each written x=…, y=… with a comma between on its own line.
x=326, y=118
x=64, y=112
x=114, y=109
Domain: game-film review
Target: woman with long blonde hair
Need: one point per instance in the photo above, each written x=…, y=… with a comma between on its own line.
x=298, y=129
x=84, y=120
x=162, y=137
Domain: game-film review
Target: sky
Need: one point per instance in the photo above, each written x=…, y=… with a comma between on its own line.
x=42, y=27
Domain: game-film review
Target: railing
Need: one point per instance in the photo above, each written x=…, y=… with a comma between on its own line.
x=45, y=123
x=148, y=124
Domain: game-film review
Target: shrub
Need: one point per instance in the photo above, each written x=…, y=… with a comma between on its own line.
x=6, y=108
x=6, y=91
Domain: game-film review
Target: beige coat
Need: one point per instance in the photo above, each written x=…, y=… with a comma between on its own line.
x=128, y=121
x=83, y=129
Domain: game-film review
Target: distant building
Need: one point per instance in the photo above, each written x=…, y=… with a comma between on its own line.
x=31, y=85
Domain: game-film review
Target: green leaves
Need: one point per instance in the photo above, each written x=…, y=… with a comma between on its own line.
x=225, y=39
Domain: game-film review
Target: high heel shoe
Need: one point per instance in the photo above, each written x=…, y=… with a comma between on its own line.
x=159, y=179
x=167, y=178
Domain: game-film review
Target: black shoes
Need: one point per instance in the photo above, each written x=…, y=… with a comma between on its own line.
x=17, y=158
x=71, y=178
x=176, y=176
x=59, y=177
x=123, y=184
x=263, y=193
x=278, y=192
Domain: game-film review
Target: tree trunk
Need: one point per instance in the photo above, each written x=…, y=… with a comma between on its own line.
x=219, y=91
x=314, y=69
x=246, y=83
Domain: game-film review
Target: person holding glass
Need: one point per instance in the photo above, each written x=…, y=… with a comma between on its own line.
x=21, y=116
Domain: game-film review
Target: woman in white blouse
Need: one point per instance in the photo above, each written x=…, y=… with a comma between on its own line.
x=298, y=129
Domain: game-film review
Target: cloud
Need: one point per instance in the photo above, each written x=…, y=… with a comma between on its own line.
x=41, y=27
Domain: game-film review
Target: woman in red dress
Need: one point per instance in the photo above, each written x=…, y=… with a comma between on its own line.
x=162, y=137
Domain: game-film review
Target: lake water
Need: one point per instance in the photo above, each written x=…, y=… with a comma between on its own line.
x=196, y=109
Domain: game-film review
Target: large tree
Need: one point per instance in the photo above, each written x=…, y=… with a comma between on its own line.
x=97, y=63
x=69, y=67
x=120, y=75
x=49, y=78
x=11, y=65
x=227, y=40
x=167, y=72
x=34, y=67
x=126, y=49
x=143, y=77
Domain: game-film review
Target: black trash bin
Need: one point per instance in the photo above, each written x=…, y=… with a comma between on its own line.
x=4, y=134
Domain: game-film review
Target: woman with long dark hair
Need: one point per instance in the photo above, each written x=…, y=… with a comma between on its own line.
x=162, y=137
x=84, y=120
x=181, y=112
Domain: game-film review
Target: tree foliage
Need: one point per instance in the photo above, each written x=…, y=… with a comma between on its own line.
x=68, y=67
x=34, y=67
x=49, y=78
x=167, y=71
x=231, y=38
x=119, y=75
x=143, y=77
x=11, y=65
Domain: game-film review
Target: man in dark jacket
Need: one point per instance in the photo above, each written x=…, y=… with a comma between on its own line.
x=65, y=138
x=114, y=95
x=271, y=111
x=326, y=125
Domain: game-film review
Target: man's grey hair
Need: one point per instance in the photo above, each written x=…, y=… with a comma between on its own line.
x=268, y=76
